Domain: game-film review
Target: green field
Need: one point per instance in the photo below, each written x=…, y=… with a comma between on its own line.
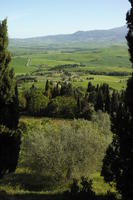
x=104, y=59
x=50, y=65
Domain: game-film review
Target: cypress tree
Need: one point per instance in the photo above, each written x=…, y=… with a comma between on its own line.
x=107, y=100
x=118, y=162
x=8, y=88
x=55, y=91
x=92, y=97
x=9, y=115
x=47, y=86
x=90, y=87
x=114, y=102
x=48, y=89
x=78, y=107
x=129, y=37
x=99, y=101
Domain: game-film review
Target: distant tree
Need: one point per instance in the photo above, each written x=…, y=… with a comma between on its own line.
x=99, y=96
x=78, y=107
x=47, y=86
x=66, y=89
x=48, y=89
x=106, y=93
x=22, y=102
x=36, y=102
x=114, y=102
x=90, y=87
x=56, y=91
x=62, y=106
x=86, y=109
x=9, y=115
x=107, y=107
x=99, y=101
x=92, y=97
x=78, y=92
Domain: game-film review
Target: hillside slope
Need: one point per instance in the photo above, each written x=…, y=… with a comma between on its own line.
x=80, y=39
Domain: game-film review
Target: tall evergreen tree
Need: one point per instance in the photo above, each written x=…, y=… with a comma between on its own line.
x=8, y=89
x=100, y=100
x=118, y=162
x=90, y=87
x=9, y=115
x=47, y=86
x=106, y=93
x=129, y=37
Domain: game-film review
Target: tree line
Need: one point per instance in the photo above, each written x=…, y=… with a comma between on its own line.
x=64, y=101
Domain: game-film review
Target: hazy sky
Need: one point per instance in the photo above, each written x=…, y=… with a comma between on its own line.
x=29, y=18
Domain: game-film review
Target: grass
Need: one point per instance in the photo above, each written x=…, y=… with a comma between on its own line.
x=19, y=65
x=99, y=185
x=22, y=182
x=24, y=185
x=114, y=82
x=112, y=59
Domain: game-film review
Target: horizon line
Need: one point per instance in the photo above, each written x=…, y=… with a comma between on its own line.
x=59, y=34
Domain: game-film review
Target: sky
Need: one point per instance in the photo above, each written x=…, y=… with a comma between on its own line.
x=31, y=18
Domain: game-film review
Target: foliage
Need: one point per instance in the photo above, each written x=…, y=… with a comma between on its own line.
x=118, y=162
x=36, y=102
x=9, y=115
x=62, y=107
x=64, y=101
x=8, y=89
x=65, y=150
x=82, y=190
x=9, y=150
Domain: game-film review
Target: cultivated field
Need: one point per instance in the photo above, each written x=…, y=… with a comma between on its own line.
x=110, y=65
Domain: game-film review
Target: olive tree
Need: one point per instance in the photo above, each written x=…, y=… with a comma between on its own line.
x=65, y=149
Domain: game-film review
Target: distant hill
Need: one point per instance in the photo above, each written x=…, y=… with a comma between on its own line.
x=79, y=39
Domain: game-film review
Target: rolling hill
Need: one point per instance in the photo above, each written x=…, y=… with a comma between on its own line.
x=95, y=37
